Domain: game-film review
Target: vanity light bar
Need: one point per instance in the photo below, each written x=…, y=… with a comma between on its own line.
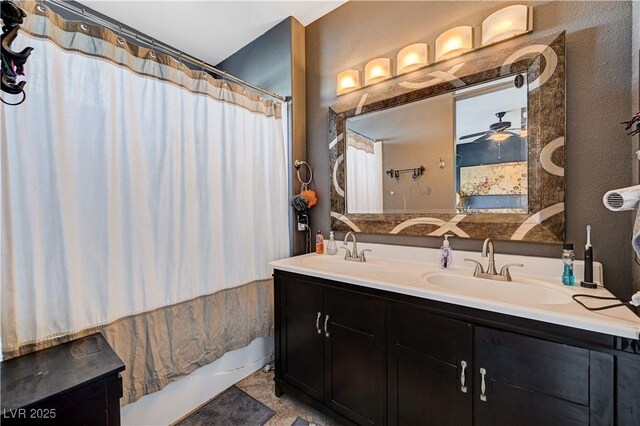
x=454, y=42
x=348, y=81
x=412, y=57
x=506, y=23
x=377, y=70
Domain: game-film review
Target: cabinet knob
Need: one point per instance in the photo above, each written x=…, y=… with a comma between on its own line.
x=483, y=386
x=463, y=377
x=318, y=323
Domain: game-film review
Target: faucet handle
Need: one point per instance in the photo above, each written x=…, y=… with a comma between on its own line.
x=479, y=270
x=347, y=251
x=362, y=252
x=505, y=269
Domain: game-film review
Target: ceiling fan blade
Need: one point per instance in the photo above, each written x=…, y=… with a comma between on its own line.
x=481, y=138
x=472, y=135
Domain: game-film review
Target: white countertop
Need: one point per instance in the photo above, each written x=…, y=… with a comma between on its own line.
x=408, y=270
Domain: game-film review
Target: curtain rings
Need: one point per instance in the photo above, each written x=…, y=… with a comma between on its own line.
x=304, y=184
x=152, y=52
x=204, y=73
x=83, y=25
x=120, y=39
x=41, y=8
x=225, y=83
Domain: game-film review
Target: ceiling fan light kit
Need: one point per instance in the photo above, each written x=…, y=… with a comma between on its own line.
x=498, y=131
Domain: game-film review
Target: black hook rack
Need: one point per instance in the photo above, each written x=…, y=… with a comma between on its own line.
x=416, y=173
x=635, y=121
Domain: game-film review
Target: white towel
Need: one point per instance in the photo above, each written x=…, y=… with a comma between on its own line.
x=635, y=240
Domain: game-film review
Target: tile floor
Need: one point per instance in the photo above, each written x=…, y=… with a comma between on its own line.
x=260, y=386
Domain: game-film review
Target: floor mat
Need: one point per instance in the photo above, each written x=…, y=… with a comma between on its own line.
x=300, y=422
x=231, y=408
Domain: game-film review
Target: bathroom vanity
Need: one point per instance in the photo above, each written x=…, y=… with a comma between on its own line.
x=383, y=342
x=395, y=340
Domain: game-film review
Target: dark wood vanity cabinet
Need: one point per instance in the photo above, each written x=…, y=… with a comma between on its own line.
x=355, y=356
x=386, y=358
x=429, y=368
x=332, y=348
x=302, y=354
x=627, y=381
x=527, y=381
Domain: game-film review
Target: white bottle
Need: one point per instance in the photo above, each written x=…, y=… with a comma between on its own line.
x=332, y=247
x=446, y=253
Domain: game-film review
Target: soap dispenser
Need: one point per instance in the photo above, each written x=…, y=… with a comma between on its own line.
x=446, y=253
x=332, y=248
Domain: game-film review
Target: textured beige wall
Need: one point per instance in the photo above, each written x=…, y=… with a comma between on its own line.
x=435, y=190
x=598, y=98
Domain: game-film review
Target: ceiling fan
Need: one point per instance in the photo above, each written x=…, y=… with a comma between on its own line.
x=497, y=131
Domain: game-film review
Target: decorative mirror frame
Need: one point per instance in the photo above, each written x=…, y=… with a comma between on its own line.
x=543, y=61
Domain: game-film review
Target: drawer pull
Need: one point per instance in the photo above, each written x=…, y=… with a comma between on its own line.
x=326, y=321
x=463, y=378
x=318, y=323
x=483, y=386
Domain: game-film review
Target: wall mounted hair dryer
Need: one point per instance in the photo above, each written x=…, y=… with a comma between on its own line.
x=622, y=199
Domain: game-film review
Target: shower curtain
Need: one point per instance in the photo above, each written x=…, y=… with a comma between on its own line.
x=364, y=174
x=141, y=199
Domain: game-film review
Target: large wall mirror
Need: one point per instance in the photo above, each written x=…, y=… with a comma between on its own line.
x=474, y=148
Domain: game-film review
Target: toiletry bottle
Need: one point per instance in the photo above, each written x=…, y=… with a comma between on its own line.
x=319, y=242
x=568, y=256
x=332, y=247
x=446, y=253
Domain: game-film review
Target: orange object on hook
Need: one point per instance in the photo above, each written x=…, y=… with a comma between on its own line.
x=311, y=197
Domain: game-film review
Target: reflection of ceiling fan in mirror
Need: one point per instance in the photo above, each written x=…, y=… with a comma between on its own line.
x=497, y=131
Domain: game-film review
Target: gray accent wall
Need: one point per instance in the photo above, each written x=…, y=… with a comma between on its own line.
x=599, y=96
x=276, y=61
x=266, y=61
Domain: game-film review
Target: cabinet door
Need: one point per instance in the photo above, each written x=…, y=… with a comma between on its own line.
x=301, y=307
x=429, y=369
x=628, y=389
x=355, y=354
x=527, y=381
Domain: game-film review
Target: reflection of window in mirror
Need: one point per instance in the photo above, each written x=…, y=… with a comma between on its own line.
x=491, y=147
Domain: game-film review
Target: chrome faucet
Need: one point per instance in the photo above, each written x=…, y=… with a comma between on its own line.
x=487, y=250
x=353, y=255
x=491, y=273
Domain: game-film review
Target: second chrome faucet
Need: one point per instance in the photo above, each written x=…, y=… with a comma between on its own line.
x=353, y=255
x=491, y=273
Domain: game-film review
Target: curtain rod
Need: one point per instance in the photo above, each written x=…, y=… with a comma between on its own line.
x=364, y=136
x=162, y=47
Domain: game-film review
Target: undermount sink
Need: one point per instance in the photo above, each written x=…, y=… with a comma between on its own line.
x=338, y=264
x=508, y=292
